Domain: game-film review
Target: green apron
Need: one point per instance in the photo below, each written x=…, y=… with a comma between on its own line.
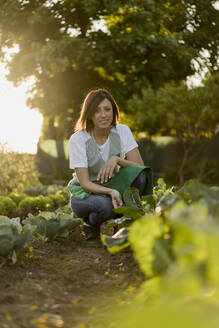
x=120, y=181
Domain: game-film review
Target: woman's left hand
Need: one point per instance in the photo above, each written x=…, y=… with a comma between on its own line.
x=106, y=171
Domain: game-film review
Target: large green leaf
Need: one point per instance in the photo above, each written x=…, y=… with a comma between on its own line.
x=197, y=190
x=22, y=236
x=52, y=227
x=68, y=224
x=150, y=244
x=167, y=200
x=132, y=199
x=119, y=222
x=38, y=222
x=196, y=240
x=4, y=219
x=117, y=242
x=6, y=240
x=133, y=206
x=129, y=212
x=53, y=224
x=13, y=236
x=148, y=203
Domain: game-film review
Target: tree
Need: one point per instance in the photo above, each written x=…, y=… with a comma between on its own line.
x=175, y=110
x=142, y=43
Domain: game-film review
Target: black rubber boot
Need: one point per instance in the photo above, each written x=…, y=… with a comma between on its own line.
x=91, y=233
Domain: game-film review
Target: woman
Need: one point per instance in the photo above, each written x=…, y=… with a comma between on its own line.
x=106, y=161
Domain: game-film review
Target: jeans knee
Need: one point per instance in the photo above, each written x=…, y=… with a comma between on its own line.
x=140, y=182
x=96, y=209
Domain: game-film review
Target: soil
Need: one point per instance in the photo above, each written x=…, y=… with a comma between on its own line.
x=67, y=283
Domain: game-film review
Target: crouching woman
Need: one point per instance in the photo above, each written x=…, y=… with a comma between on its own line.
x=106, y=160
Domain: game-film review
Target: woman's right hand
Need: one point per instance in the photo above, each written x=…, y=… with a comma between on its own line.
x=116, y=198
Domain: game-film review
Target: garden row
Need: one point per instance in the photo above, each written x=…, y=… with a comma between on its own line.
x=52, y=219
x=33, y=200
x=41, y=212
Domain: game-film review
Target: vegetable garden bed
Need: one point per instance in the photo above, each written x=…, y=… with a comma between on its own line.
x=60, y=280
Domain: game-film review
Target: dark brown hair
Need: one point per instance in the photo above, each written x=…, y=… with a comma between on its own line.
x=89, y=106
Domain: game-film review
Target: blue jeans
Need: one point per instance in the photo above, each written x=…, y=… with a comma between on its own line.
x=97, y=209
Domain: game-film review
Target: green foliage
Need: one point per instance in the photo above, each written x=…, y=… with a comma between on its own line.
x=191, y=114
x=17, y=171
x=12, y=237
x=7, y=205
x=44, y=198
x=35, y=204
x=44, y=190
x=58, y=200
x=192, y=191
x=176, y=110
x=132, y=199
x=150, y=241
x=17, y=197
x=119, y=222
x=129, y=212
x=177, y=248
x=133, y=207
x=50, y=225
x=141, y=43
x=118, y=242
x=148, y=211
x=64, y=193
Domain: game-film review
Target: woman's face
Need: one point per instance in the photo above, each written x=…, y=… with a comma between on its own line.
x=103, y=116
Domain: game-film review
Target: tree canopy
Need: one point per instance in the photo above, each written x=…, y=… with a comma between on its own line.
x=139, y=44
x=175, y=110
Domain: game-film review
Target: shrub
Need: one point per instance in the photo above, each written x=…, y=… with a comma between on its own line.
x=65, y=194
x=17, y=198
x=34, y=204
x=50, y=225
x=58, y=200
x=17, y=171
x=7, y=205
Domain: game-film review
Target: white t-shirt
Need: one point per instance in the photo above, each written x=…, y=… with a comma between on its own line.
x=77, y=145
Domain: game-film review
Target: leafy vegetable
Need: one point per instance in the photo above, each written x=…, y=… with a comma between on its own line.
x=50, y=225
x=132, y=199
x=13, y=237
x=150, y=241
x=7, y=205
x=133, y=206
x=34, y=204
x=117, y=242
x=17, y=197
x=119, y=222
x=178, y=251
x=128, y=212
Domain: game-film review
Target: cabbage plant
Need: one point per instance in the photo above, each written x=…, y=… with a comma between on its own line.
x=50, y=225
x=12, y=237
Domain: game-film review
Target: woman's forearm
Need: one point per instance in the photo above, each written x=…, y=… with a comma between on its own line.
x=96, y=188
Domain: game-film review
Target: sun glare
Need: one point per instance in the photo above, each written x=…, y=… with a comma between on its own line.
x=20, y=127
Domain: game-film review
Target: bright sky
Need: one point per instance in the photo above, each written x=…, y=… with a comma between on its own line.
x=20, y=126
